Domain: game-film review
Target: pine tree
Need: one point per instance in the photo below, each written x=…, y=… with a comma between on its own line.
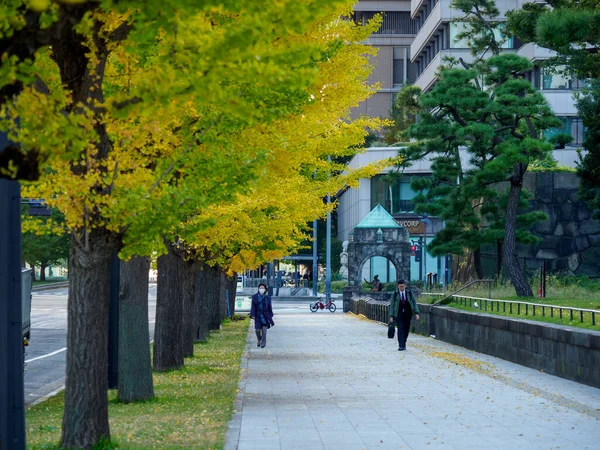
x=570, y=28
x=499, y=128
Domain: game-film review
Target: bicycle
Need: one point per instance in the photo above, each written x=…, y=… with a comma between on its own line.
x=314, y=307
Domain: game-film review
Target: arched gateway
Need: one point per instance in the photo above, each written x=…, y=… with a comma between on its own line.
x=378, y=234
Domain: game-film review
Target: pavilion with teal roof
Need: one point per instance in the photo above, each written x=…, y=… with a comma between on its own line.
x=378, y=234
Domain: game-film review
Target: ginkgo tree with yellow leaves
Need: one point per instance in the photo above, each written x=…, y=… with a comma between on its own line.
x=133, y=117
x=268, y=220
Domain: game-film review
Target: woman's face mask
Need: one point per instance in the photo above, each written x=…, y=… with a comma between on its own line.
x=261, y=291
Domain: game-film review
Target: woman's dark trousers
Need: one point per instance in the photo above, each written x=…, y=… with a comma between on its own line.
x=261, y=335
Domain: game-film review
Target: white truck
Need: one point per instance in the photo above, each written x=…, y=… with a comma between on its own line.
x=26, y=283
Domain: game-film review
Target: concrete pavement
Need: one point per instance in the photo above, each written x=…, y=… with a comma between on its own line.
x=334, y=381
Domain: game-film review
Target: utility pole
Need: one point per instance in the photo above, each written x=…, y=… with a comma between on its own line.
x=315, y=269
x=425, y=221
x=328, y=237
x=12, y=393
x=12, y=390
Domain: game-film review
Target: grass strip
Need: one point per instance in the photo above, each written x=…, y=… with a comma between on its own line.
x=49, y=281
x=192, y=407
x=540, y=315
x=569, y=296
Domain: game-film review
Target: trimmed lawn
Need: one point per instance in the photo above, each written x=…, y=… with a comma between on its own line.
x=192, y=407
x=541, y=314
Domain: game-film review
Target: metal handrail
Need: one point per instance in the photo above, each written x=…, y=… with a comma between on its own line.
x=543, y=306
x=469, y=284
x=295, y=291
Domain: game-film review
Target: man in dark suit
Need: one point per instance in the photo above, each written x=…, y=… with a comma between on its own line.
x=402, y=307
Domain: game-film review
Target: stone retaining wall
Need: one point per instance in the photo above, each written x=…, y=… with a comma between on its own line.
x=570, y=238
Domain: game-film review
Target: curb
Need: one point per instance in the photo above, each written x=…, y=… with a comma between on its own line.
x=232, y=436
x=50, y=287
x=47, y=396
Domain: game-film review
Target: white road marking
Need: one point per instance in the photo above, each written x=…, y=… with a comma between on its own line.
x=43, y=323
x=45, y=356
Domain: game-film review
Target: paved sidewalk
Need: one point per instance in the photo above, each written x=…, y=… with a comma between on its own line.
x=334, y=381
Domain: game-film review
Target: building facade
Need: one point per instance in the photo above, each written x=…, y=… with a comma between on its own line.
x=412, y=42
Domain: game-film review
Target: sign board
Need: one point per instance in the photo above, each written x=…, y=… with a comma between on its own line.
x=414, y=226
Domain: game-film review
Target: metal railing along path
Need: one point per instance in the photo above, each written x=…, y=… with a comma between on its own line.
x=516, y=306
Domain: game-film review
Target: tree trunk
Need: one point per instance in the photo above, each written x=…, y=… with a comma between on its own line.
x=509, y=249
x=42, y=272
x=222, y=296
x=201, y=316
x=477, y=264
x=85, y=419
x=213, y=291
x=189, y=307
x=463, y=268
x=168, y=351
x=33, y=277
x=231, y=289
x=135, y=367
x=499, y=260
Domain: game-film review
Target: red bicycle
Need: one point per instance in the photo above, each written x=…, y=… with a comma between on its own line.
x=314, y=307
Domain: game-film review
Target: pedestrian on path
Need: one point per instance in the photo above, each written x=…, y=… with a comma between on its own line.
x=262, y=313
x=402, y=307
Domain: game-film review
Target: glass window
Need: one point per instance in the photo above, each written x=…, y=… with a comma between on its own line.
x=554, y=80
x=550, y=132
x=569, y=125
x=406, y=195
x=384, y=268
x=576, y=129
x=460, y=27
x=394, y=22
x=394, y=194
x=399, y=66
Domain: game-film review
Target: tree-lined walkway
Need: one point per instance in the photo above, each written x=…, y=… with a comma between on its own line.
x=334, y=381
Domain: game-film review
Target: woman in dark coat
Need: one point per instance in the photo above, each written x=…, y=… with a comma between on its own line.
x=262, y=313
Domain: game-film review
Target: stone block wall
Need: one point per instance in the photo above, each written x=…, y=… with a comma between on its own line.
x=570, y=238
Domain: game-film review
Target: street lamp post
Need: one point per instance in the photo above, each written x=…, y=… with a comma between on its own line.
x=425, y=220
x=315, y=268
x=12, y=393
x=328, y=237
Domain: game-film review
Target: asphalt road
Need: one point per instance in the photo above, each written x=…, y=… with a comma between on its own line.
x=45, y=359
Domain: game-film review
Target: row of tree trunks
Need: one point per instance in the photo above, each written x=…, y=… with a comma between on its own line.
x=190, y=303
x=135, y=368
x=168, y=339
